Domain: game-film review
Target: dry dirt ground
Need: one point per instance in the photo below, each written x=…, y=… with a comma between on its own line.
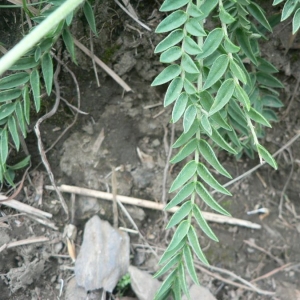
x=127, y=121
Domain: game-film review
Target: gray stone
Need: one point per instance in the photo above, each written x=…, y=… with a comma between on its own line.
x=198, y=292
x=143, y=284
x=125, y=64
x=104, y=256
x=74, y=292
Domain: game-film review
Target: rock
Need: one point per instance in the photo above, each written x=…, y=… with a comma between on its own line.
x=199, y=292
x=142, y=177
x=74, y=292
x=104, y=256
x=143, y=284
x=125, y=64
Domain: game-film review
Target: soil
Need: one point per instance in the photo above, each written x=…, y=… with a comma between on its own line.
x=137, y=120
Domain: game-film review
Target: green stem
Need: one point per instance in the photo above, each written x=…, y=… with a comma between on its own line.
x=37, y=34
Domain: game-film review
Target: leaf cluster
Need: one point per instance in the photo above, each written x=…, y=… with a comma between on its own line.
x=223, y=92
x=21, y=88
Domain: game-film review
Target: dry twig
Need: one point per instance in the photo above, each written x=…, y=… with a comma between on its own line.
x=152, y=205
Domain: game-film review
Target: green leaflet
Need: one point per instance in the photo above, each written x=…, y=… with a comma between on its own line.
x=189, y=262
x=171, y=22
x=35, y=87
x=225, y=17
x=257, y=117
x=263, y=152
x=259, y=15
x=193, y=240
x=242, y=96
x=270, y=115
x=206, y=124
x=268, y=80
x=209, y=200
x=244, y=40
x=13, y=80
x=187, y=135
x=206, y=176
x=296, y=21
x=24, y=63
x=68, y=40
x=4, y=146
x=217, y=71
x=176, y=259
x=189, y=117
x=179, y=234
x=277, y=2
x=6, y=110
x=20, y=116
x=265, y=66
x=89, y=15
x=209, y=155
x=188, y=64
x=212, y=42
x=190, y=46
x=230, y=47
x=166, y=75
x=23, y=163
x=189, y=87
x=184, y=175
x=203, y=224
x=237, y=71
x=179, y=107
x=169, y=5
x=47, y=69
x=194, y=28
x=207, y=7
x=168, y=254
x=194, y=11
x=180, y=214
x=26, y=101
x=271, y=101
x=182, y=280
x=219, y=140
x=185, y=192
x=12, y=127
x=171, y=40
x=171, y=55
x=189, y=148
x=224, y=94
x=173, y=91
x=8, y=95
x=288, y=9
x=161, y=293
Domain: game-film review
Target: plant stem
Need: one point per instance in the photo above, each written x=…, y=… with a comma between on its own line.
x=37, y=34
